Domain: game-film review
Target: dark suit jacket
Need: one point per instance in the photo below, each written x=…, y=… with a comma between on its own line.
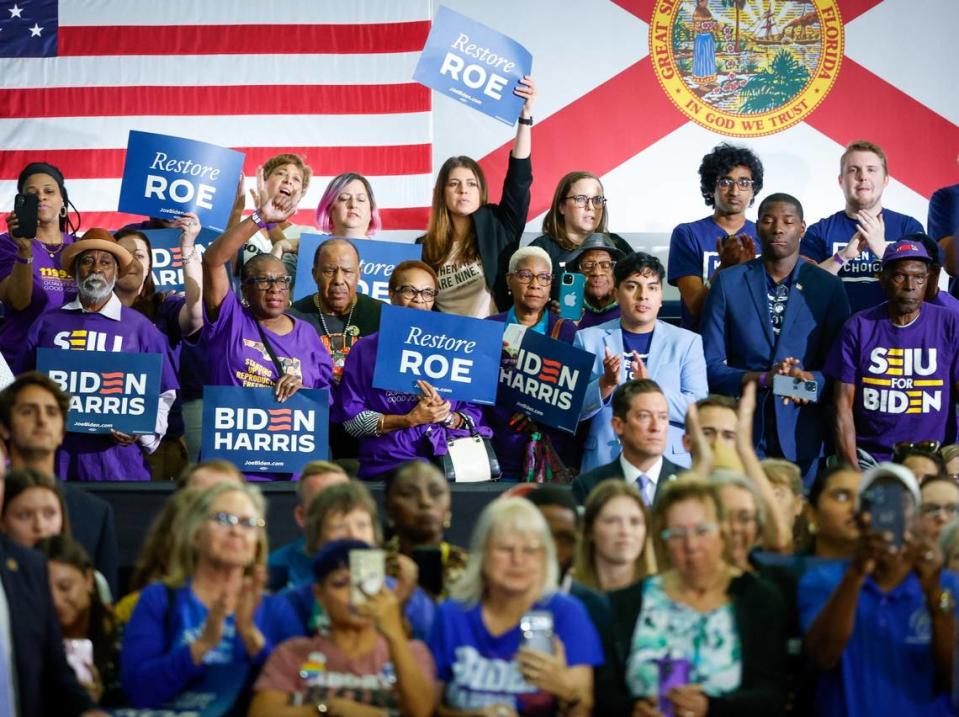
x=738, y=337
x=91, y=523
x=46, y=684
x=584, y=483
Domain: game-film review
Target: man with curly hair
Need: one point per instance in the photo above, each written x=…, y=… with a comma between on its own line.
x=729, y=178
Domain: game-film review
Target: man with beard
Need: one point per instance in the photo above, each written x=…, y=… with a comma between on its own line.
x=98, y=263
x=896, y=365
x=770, y=316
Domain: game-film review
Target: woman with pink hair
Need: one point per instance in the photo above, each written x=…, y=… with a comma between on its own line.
x=348, y=208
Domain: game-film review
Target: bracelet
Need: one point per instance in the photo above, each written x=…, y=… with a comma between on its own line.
x=187, y=257
x=839, y=258
x=763, y=381
x=258, y=220
x=20, y=260
x=528, y=121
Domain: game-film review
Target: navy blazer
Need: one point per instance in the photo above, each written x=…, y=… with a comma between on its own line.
x=92, y=524
x=584, y=483
x=738, y=337
x=46, y=684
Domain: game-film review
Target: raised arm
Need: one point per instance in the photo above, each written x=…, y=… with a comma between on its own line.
x=523, y=144
x=191, y=313
x=16, y=289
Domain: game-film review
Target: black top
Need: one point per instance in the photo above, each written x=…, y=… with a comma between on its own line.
x=584, y=483
x=760, y=619
x=366, y=314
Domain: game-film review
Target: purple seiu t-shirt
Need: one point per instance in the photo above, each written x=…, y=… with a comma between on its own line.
x=85, y=457
x=692, y=252
x=904, y=376
x=379, y=454
x=859, y=276
x=239, y=358
x=52, y=288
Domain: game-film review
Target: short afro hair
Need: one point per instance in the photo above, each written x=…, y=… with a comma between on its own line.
x=720, y=161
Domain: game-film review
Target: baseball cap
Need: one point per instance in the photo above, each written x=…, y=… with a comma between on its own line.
x=889, y=470
x=907, y=248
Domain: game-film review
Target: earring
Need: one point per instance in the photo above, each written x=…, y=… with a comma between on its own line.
x=811, y=528
x=63, y=211
x=448, y=523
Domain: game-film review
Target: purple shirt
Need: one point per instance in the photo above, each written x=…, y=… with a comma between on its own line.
x=85, y=457
x=239, y=358
x=944, y=298
x=379, y=454
x=595, y=318
x=904, y=376
x=52, y=288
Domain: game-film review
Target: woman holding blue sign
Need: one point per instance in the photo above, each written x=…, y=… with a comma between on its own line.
x=393, y=428
x=32, y=280
x=468, y=241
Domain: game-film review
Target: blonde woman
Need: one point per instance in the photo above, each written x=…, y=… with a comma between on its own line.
x=207, y=628
x=482, y=663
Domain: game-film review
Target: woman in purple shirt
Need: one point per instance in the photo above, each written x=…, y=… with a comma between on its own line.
x=394, y=427
x=32, y=280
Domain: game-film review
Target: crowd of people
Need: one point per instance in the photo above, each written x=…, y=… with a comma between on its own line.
x=756, y=516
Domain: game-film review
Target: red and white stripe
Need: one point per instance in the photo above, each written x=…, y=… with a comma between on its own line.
x=329, y=81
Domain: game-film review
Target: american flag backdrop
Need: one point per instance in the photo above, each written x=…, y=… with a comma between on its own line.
x=328, y=80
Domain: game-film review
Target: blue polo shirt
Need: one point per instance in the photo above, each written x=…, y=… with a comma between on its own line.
x=290, y=565
x=887, y=667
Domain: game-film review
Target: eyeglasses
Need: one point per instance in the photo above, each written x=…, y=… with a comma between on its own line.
x=581, y=200
x=268, y=282
x=585, y=267
x=681, y=534
x=525, y=276
x=950, y=509
x=411, y=292
x=728, y=182
x=920, y=446
x=229, y=520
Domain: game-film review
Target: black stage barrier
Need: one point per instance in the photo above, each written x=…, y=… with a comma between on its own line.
x=135, y=504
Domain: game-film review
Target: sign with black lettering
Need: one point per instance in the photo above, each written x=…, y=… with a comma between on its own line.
x=167, y=259
x=249, y=428
x=474, y=64
x=457, y=355
x=165, y=177
x=108, y=390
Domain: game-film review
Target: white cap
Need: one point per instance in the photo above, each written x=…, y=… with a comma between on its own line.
x=889, y=470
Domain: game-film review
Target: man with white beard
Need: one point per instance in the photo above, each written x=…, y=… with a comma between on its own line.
x=97, y=321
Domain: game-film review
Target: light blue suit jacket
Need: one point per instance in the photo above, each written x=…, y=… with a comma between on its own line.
x=675, y=362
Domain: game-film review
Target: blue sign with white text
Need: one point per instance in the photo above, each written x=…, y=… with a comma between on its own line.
x=165, y=177
x=123, y=397
x=378, y=258
x=457, y=355
x=543, y=378
x=249, y=428
x=167, y=259
x=474, y=64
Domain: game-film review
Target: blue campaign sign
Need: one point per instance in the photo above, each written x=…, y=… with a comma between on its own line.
x=249, y=428
x=168, y=176
x=378, y=258
x=457, y=355
x=474, y=64
x=544, y=379
x=167, y=265
x=123, y=397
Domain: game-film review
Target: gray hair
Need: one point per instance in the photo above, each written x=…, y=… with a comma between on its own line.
x=505, y=515
x=722, y=477
x=529, y=252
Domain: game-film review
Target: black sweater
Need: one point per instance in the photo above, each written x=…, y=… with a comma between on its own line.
x=760, y=619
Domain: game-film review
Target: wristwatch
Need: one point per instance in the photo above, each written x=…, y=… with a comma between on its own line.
x=528, y=121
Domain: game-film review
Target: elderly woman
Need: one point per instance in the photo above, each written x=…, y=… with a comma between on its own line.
x=703, y=637
x=368, y=665
x=578, y=210
x=393, y=428
x=208, y=627
x=614, y=551
x=468, y=241
x=32, y=279
x=525, y=450
x=484, y=661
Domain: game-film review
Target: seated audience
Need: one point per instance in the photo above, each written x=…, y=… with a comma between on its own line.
x=418, y=511
x=290, y=564
x=477, y=641
x=363, y=659
x=939, y=504
x=207, y=627
x=702, y=637
x=392, y=427
x=639, y=345
x=614, y=550
x=596, y=259
x=641, y=422
x=83, y=615
x=880, y=627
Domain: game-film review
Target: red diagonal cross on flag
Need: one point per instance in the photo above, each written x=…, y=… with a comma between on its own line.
x=633, y=108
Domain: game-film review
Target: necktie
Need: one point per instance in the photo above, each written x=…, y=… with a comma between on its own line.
x=645, y=487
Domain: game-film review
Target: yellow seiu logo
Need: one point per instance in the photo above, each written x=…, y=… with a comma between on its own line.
x=83, y=340
x=53, y=273
x=898, y=382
